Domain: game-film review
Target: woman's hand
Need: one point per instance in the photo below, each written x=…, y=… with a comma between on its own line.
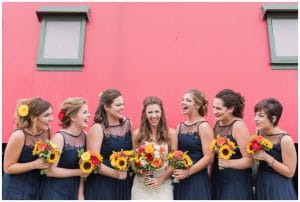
x=223, y=163
x=153, y=182
x=121, y=175
x=40, y=164
x=260, y=155
x=180, y=174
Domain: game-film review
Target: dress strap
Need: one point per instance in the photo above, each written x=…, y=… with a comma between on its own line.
x=62, y=134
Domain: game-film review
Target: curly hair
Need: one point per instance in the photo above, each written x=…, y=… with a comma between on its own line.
x=232, y=99
x=145, y=127
x=36, y=106
x=106, y=99
x=69, y=108
x=201, y=100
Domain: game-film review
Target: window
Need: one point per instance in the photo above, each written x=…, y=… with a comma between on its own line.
x=62, y=37
x=282, y=21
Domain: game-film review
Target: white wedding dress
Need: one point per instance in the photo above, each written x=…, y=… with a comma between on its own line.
x=164, y=192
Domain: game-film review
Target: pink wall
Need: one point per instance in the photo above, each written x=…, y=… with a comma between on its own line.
x=144, y=49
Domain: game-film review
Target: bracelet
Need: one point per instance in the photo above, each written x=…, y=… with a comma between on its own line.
x=188, y=172
x=272, y=162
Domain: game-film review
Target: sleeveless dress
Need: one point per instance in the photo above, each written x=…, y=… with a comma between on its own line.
x=229, y=183
x=24, y=186
x=163, y=192
x=66, y=188
x=271, y=185
x=196, y=186
x=100, y=187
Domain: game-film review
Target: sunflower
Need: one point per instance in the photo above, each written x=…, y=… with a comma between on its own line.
x=35, y=149
x=23, y=110
x=121, y=163
x=53, y=157
x=86, y=156
x=187, y=161
x=231, y=144
x=267, y=144
x=170, y=155
x=86, y=166
x=212, y=145
x=225, y=152
x=249, y=148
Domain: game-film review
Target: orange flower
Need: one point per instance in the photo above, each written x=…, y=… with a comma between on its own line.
x=42, y=146
x=221, y=141
x=178, y=154
x=156, y=163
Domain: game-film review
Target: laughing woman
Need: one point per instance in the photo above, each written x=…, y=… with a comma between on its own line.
x=277, y=166
x=233, y=182
x=194, y=136
x=22, y=177
x=64, y=182
x=110, y=132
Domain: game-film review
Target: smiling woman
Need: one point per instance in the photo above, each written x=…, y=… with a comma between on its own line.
x=21, y=179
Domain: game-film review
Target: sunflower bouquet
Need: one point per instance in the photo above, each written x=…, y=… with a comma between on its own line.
x=121, y=160
x=258, y=143
x=47, y=151
x=149, y=158
x=179, y=160
x=89, y=161
x=223, y=147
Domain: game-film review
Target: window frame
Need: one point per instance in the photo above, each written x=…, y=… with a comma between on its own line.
x=280, y=11
x=64, y=13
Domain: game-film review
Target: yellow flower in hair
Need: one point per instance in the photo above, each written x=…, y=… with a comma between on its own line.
x=86, y=166
x=225, y=152
x=23, y=110
x=86, y=156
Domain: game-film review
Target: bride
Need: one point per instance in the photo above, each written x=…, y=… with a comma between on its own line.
x=153, y=129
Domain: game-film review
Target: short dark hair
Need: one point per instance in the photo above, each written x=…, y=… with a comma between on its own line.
x=271, y=107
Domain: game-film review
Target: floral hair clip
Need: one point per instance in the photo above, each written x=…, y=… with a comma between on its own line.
x=23, y=110
x=61, y=115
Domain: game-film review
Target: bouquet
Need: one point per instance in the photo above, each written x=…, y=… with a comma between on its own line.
x=89, y=161
x=149, y=158
x=258, y=143
x=121, y=160
x=179, y=160
x=223, y=147
x=47, y=151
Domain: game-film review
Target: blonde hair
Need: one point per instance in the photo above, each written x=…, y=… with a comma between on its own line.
x=201, y=100
x=36, y=106
x=69, y=108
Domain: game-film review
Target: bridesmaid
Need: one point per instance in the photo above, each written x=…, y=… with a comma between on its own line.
x=110, y=132
x=153, y=130
x=22, y=178
x=64, y=182
x=234, y=181
x=277, y=166
x=194, y=136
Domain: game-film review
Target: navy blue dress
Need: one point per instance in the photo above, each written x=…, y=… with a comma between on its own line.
x=100, y=187
x=196, y=186
x=271, y=185
x=229, y=183
x=24, y=186
x=65, y=188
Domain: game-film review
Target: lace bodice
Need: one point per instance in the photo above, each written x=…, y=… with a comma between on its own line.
x=30, y=140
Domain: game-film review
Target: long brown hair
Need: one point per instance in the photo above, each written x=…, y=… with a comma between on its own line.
x=145, y=127
x=106, y=99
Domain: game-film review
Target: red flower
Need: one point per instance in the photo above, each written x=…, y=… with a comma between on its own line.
x=255, y=146
x=61, y=115
x=94, y=160
x=141, y=149
x=149, y=157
